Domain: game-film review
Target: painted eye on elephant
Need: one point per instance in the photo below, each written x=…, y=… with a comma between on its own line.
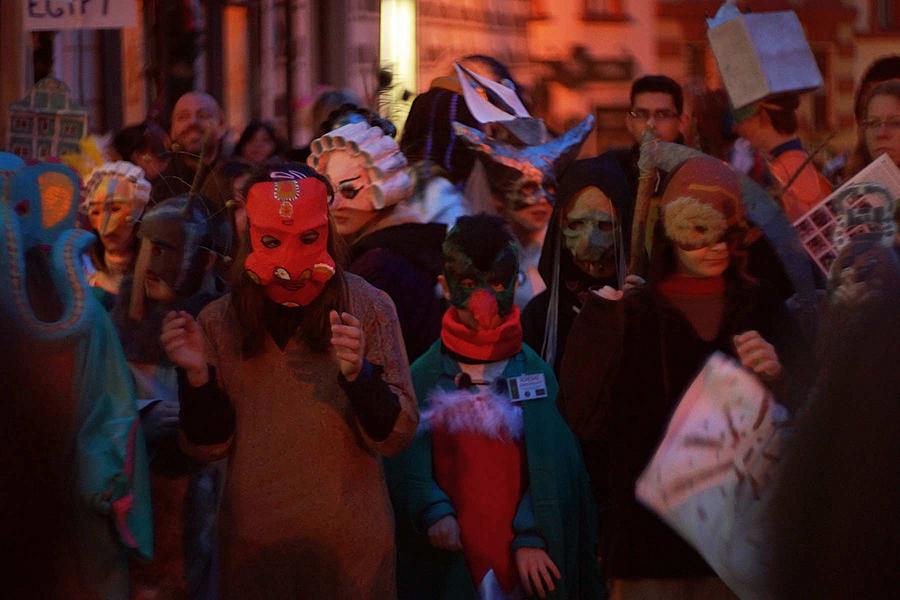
x=270, y=241
x=498, y=286
x=309, y=237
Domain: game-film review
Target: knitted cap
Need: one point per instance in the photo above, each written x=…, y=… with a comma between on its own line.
x=701, y=202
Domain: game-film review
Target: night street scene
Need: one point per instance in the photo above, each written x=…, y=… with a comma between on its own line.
x=450, y=299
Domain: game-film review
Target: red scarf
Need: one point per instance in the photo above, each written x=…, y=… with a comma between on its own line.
x=482, y=344
x=682, y=285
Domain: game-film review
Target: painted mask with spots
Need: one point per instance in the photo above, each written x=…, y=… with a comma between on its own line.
x=288, y=218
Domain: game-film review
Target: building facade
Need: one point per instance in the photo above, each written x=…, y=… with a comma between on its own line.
x=269, y=59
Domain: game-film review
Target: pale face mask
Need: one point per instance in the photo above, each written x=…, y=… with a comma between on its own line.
x=589, y=232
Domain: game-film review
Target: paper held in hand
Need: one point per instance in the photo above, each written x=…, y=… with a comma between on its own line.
x=711, y=477
x=817, y=228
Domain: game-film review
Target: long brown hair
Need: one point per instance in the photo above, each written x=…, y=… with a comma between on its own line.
x=248, y=299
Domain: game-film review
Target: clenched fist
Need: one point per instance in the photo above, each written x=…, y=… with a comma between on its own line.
x=183, y=342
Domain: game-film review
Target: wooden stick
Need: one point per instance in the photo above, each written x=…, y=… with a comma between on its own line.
x=637, y=258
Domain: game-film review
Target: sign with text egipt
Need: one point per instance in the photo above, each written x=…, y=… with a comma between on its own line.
x=53, y=15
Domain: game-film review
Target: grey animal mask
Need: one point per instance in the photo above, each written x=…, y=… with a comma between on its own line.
x=524, y=176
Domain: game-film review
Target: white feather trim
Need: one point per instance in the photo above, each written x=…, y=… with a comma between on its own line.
x=485, y=412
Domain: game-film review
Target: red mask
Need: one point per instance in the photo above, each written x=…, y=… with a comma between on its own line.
x=289, y=238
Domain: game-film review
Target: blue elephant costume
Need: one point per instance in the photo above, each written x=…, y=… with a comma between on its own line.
x=72, y=422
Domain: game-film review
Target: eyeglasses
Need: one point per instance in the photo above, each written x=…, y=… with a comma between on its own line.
x=892, y=124
x=658, y=115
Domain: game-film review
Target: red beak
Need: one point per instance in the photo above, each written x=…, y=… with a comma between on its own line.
x=483, y=306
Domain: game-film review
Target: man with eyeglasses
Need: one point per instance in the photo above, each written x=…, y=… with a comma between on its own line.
x=657, y=103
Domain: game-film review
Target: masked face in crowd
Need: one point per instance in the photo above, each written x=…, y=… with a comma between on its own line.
x=523, y=179
x=367, y=171
x=588, y=229
x=350, y=209
x=702, y=216
x=484, y=296
x=173, y=257
x=289, y=238
x=115, y=197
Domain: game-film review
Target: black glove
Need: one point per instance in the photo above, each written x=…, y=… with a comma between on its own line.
x=160, y=421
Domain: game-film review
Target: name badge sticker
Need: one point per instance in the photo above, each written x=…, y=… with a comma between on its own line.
x=527, y=387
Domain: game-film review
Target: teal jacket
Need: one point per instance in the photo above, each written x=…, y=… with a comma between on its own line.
x=562, y=512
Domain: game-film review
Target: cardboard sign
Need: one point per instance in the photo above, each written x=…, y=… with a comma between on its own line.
x=55, y=15
x=818, y=227
x=761, y=54
x=712, y=476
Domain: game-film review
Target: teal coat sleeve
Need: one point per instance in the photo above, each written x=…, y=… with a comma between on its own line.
x=561, y=496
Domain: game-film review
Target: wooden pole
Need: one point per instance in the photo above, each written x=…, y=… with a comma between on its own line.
x=637, y=258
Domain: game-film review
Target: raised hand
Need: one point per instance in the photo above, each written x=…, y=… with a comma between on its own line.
x=611, y=293
x=758, y=355
x=444, y=534
x=182, y=340
x=349, y=343
x=536, y=571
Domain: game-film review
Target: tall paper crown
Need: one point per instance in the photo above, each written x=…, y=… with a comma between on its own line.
x=384, y=163
x=761, y=54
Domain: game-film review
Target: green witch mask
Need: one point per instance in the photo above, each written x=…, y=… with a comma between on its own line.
x=588, y=229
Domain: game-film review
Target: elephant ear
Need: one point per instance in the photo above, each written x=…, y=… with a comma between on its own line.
x=37, y=211
x=45, y=198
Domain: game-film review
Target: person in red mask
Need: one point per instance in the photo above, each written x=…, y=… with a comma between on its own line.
x=299, y=377
x=485, y=485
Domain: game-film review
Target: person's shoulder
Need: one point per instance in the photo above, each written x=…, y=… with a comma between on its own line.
x=215, y=318
x=216, y=310
x=533, y=360
x=428, y=364
x=537, y=305
x=365, y=297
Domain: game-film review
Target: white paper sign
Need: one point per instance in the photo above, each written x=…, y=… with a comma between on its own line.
x=817, y=227
x=52, y=15
x=711, y=477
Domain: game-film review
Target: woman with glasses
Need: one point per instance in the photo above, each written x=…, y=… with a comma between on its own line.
x=879, y=128
x=879, y=131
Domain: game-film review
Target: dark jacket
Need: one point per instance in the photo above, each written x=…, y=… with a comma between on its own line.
x=404, y=261
x=556, y=261
x=626, y=367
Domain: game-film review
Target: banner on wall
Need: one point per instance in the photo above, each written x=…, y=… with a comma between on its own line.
x=55, y=15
